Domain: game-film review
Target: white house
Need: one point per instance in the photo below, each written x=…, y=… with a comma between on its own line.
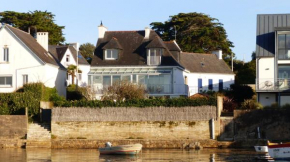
x=67, y=55
x=142, y=57
x=203, y=72
x=273, y=59
x=137, y=56
x=23, y=59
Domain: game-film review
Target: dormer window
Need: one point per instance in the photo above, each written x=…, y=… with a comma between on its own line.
x=111, y=54
x=154, y=56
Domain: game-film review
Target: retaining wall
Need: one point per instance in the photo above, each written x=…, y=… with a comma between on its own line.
x=13, y=126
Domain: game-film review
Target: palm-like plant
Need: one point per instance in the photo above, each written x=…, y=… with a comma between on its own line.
x=71, y=70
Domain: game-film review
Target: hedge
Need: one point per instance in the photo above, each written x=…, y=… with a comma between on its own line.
x=174, y=102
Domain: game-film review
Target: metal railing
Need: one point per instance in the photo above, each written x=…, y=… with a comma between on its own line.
x=272, y=84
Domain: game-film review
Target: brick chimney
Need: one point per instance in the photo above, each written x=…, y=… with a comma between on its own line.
x=42, y=39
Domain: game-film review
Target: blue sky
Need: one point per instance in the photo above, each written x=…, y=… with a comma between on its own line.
x=82, y=18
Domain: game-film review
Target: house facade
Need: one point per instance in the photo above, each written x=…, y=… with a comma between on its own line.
x=273, y=59
x=203, y=72
x=23, y=59
x=140, y=57
x=67, y=55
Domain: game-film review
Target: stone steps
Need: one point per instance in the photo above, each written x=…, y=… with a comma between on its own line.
x=38, y=135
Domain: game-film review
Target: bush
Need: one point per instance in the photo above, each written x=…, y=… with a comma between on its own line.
x=229, y=105
x=240, y=93
x=124, y=90
x=73, y=93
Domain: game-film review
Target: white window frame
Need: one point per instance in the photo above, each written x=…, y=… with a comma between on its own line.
x=155, y=53
x=5, y=56
x=25, y=79
x=111, y=53
x=7, y=85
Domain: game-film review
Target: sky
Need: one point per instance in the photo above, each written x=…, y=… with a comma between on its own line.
x=82, y=18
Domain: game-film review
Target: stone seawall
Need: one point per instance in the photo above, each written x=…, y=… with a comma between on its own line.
x=200, y=113
x=164, y=144
x=13, y=126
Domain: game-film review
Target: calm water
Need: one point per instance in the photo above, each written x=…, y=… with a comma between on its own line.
x=156, y=155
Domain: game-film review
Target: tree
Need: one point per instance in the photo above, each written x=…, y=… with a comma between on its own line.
x=87, y=50
x=71, y=69
x=37, y=21
x=247, y=73
x=195, y=32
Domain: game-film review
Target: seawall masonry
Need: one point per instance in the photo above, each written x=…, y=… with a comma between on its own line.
x=120, y=123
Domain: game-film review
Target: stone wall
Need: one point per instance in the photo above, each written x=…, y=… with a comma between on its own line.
x=201, y=113
x=133, y=123
x=13, y=126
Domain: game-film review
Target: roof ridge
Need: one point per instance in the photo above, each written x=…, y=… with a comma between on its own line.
x=125, y=31
x=16, y=28
x=198, y=53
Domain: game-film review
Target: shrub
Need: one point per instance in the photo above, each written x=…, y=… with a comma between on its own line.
x=251, y=104
x=124, y=90
x=229, y=105
x=239, y=93
x=73, y=93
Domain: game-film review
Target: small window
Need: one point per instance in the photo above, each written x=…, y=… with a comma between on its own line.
x=154, y=56
x=67, y=58
x=80, y=76
x=221, y=84
x=6, y=54
x=210, y=84
x=112, y=54
x=25, y=79
x=6, y=81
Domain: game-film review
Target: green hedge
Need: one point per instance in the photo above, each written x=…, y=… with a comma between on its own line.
x=29, y=96
x=174, y=102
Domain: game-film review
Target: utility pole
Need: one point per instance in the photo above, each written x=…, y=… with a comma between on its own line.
x=232, y=61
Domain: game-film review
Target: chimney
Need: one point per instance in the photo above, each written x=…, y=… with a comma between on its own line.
x=42, y=39
x=147, y=33
x=218, y=53
x=102, y=29
x=75, y=45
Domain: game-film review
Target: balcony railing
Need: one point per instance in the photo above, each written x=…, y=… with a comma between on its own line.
x=271, y=84
x=154, y=89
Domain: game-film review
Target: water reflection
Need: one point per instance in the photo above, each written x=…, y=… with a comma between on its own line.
x=147, y=155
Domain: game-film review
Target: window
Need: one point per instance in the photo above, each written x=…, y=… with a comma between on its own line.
x=283, y=72
x=221, y=84
x=25, y=79
x=210, y=84
x=283, y=46
x=6, y=81
x=154, y=56
x=67, y=58
x=111, y=54
x=80, y=77
x=6, y=54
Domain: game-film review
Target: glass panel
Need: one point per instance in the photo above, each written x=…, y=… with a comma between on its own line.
x=9, y=81
x=153, y=79
x=2, y=80
x=106, y=81
x=109, y=55
x=126, y=78
x=97, y=79
x=134, y=78
x=115, y=54
x=281, y=54
x=284, y=72
x=288, y=41
x=116, y=78
x=142, y=79
x=281, y=41
x=89, y=80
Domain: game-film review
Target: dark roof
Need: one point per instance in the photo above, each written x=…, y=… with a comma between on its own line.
x=34, y=46
x=204, y=63
x=172, y=46
x=157, y=42
x=267, y=24
x=113, y=44
x=58, y=52
x=134, y=51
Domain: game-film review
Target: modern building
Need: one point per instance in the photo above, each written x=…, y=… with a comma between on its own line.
x=273, y=59
x=24, y=59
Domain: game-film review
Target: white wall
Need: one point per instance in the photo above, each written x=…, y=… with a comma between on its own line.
x=228, y=79
x=23, y=62
x=266, y=99
x=266, y=72
x=85, y=70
